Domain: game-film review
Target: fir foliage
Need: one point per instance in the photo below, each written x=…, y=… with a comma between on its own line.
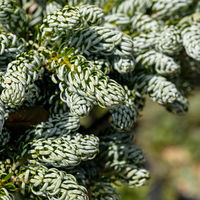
x=73, y=59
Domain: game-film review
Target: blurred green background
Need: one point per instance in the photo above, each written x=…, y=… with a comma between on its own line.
x=172, y=147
